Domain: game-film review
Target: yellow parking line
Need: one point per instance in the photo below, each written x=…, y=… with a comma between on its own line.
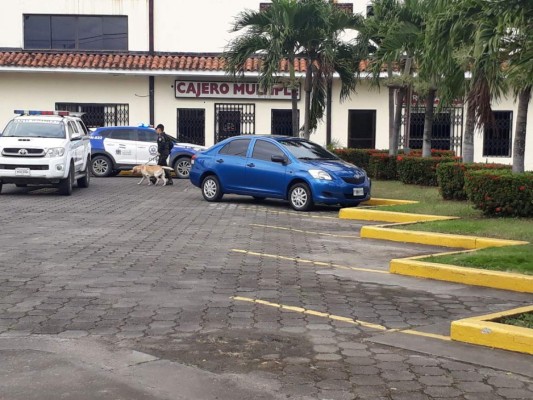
x=339, y=318
x=298, y=214
x=306, y=232
x=311, y=312
x=425, y=334
x=304, y=261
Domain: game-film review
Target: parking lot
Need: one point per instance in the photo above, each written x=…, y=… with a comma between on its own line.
x=123, y=291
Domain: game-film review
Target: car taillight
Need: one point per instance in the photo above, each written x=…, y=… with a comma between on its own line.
x=193, y=158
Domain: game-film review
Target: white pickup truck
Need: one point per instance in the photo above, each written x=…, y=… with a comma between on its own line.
x=45, y=148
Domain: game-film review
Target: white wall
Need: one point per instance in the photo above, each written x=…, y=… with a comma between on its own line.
x=11, y=17
x=43, y=91
x=200, y=26
x=180, y=25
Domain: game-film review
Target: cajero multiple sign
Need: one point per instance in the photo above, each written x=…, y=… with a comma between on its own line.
x=234, y=90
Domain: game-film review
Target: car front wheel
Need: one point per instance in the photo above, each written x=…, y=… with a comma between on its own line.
x=182, y=167
x=101, y=166
x=84, y=181
x=300, y=197
x=211, y=189
x=65, y=185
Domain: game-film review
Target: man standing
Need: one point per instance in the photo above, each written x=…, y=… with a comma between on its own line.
x=164, y=145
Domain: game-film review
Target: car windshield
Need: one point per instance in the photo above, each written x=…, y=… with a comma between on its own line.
x=35, y=128
x=304, y=150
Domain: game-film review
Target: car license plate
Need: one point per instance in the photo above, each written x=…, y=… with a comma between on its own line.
x=22, y=171
x=358, y=192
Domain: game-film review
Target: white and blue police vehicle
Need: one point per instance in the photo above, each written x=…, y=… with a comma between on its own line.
x=49, y=148
x=119, y=148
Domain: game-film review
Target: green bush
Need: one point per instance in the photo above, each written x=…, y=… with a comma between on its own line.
x=434, y=153
x=500, y=192
x=382, y=166
x=418, y=170
x=359, y=157
x=451, y=177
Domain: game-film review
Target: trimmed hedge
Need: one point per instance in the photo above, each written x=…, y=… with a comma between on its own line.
x=500, y=192
x=418, y=170
x=434, y=153
x=382, y=166
x=451, y=177
x=359, y=157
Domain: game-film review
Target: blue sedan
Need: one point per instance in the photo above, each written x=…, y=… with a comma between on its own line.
x=281, y=167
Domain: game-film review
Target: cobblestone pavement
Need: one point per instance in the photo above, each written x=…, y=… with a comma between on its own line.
x=159, y=271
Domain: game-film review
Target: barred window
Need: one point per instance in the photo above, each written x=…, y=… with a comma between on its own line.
x=497, y=135
x=97, y=115
x=233, y=120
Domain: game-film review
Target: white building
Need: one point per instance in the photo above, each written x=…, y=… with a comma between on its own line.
x=110, y=59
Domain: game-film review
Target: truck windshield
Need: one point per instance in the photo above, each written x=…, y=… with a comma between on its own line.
x=34, y=128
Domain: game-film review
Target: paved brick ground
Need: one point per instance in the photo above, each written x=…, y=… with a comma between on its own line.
x=155, y=270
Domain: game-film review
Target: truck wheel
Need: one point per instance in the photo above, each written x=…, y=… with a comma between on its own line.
x=65, y=185
x=84, y=181
x=101, y=166
x=182, y=167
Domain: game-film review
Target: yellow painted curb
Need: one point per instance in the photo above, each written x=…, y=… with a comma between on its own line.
x=434, y=238
x=387, y=216
x=413, y=267
x=386, y=202
x=468, y=276
x=483, y=330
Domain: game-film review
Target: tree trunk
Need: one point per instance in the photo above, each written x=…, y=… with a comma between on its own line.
x=308, y=87
x=428, y=123
x=519, y=145
x=468, y=138
x=392, y=150
x=294, y=99
x=400, y=93
x=393, y=143
x=328, y=110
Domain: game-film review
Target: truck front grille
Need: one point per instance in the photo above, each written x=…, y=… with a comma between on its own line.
x=32, y=167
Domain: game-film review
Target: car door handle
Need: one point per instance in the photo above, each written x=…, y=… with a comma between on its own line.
x=250, y=165
x=220, y=161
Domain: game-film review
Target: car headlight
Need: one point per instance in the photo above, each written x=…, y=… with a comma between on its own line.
x=55, y=152
x=319, y=174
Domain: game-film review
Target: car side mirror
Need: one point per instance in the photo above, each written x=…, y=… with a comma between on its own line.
x=279, y=159
x=75, y=138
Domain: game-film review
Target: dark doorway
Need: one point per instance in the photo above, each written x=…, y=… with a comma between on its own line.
x=282, y=122
x=191, y=125
x=362, y=129
x=441, y=133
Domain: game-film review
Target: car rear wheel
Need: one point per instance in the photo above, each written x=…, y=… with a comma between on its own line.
x=182, y=167
x=84, y=181
x=101, y=166
x=65, y=185
x=211, y=189
x=300, y=197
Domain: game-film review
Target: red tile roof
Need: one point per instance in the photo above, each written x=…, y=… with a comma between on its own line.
x=132, y=62
x=127, y=61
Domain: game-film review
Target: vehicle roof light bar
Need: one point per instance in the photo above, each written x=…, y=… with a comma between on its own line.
x=39, y=112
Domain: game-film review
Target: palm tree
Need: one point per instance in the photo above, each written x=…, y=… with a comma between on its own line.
x=516, y=25
x=271, y=34
x=320, y=29
x=396, y=31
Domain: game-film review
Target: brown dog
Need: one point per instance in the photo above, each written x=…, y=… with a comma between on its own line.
x=148, y=171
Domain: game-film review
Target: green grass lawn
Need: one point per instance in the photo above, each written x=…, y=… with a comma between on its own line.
x=472, y=223
x=524, y=320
